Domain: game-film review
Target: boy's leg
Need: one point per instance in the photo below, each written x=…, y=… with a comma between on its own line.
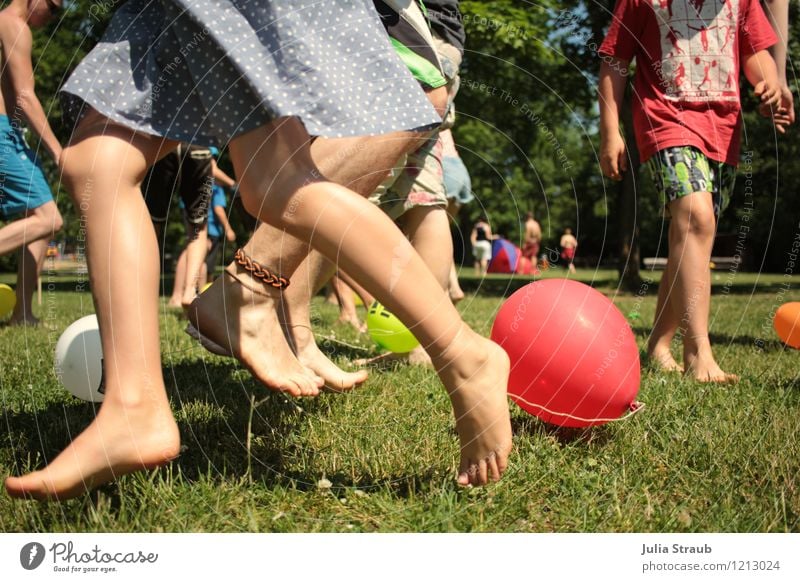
x=134, y=428
x=31, y=259
x=691, y=237
x=665, y=325
x=280, y=184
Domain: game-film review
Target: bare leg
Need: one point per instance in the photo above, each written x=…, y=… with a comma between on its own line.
x=40, y=222
x=180, y=281
x=280, y=185
x=347, y=304
x=454, y=287
x=361, y=163
x=135, y=428
x=196, y=251
x=665, y=325
x=691, y=237
x=366, y=296
x=31, y=260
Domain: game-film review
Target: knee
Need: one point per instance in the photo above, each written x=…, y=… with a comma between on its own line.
x=696, y=220
x=49, y=218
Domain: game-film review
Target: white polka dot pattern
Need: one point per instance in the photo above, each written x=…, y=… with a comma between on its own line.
x=205, y=71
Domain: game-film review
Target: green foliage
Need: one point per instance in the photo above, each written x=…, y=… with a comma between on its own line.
x=527, y=129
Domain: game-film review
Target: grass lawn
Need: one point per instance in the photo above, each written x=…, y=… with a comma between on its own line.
x=383, y=458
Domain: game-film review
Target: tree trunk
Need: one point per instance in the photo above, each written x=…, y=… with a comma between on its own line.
x=629, y=255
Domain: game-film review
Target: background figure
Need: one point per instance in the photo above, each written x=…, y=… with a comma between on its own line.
x=458, y=187
x=569, y=245
x=481, y=239
x=219, y=227
x=187, y=170
x=23, y=189
x=532, y=242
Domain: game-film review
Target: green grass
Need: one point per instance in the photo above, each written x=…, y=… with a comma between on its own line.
x=697, y=458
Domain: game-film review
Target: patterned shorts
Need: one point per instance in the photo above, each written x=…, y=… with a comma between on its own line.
x=679, y=171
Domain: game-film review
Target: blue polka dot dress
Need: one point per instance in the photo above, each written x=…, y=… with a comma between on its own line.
x=205, y=71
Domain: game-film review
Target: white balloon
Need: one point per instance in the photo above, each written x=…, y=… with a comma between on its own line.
x=79, y=359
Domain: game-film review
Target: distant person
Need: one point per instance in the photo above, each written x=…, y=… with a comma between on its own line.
x=533, y=240
x=458, y=187
x=481, y=239
x=24, y=192
x=569, y=245
x=187, y=170
x=219, y=227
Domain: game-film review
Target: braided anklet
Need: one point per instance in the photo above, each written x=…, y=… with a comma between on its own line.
x=256, y=271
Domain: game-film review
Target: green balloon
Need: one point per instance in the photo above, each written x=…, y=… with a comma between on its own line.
x=388, y=332
x=8, y=299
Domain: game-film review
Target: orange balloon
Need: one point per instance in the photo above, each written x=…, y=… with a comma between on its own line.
x=787, y=323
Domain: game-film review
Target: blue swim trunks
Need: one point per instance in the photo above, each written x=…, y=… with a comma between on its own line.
x=22, y=183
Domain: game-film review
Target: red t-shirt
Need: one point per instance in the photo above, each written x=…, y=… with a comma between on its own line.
x=687, y=52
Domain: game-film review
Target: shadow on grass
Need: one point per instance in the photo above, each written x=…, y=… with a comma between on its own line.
x=222, y=433
x=531, y=426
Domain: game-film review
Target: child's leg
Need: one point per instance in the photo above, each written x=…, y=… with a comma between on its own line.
x=280, y=184
x=31, y=258
x=691, y=237
x=361, y=164
x=40, y=222
x=196, y=251
x=180, y=281
x=134, y=429
x=665, y=324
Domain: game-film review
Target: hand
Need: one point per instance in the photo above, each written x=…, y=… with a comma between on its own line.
x=613, y=158
x=783, y=115
x=230, y=235
x=769, y=92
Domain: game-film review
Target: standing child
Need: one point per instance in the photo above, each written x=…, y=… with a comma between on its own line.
x=686, y=119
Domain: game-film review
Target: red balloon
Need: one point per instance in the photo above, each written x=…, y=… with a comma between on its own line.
x=574, y=359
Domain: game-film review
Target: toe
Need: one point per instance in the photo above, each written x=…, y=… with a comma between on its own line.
x=494, y=471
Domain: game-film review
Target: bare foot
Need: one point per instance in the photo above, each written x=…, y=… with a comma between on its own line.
x=121, y=440
x=663, y=360
x=311, y=357
x=704, y=368
x=476, y=378
x=247, y=325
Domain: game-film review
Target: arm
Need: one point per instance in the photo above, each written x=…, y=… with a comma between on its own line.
x=473, y=237
x=611, y=89
x=761, y=72
x=19, y=71
x=778, y=16
x=222, y=216
x=221, y=177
